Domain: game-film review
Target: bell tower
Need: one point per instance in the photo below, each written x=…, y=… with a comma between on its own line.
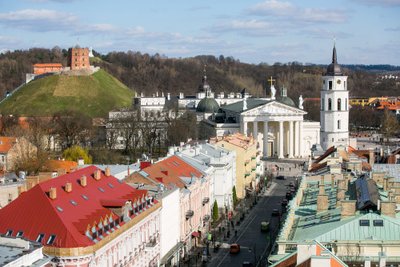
x=334, y=106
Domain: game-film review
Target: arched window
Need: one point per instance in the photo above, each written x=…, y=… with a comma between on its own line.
x=339, y=104
x=323, y=104
x=338, y=124
x=329, y=104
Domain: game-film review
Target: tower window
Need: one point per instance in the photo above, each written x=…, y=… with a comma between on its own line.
x=329, y=104
x=338, y=124
x=323, y=104
x=339, y=104
x=345, y=104
x=344, y=85
x=330, y=85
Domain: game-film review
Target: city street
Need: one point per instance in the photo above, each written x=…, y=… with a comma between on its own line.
x=254, y=244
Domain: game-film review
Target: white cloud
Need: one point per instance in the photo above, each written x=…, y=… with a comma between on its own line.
x=40, y=20
x=384, y=3
x=273, y=7
x=251, y=27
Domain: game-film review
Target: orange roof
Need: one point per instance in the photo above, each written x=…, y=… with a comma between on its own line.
x=239, y=140
x=170, y=171
x=67, y=165
x=44, y=65
x=6, y=143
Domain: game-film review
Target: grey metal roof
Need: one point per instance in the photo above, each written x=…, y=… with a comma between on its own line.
x=251, y=103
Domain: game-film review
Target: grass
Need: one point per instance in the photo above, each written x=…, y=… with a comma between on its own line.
x=93, y=95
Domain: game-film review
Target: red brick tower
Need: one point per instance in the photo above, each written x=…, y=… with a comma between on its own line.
x=79, y=58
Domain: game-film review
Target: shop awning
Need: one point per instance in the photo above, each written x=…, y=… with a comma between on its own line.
x=195, y=234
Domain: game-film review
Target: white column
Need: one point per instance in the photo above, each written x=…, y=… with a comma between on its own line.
x=243, y=127
x=280, y=151
x=291, y=139
x=255, y=130
x=300, y=138
x=265, y=139
x=296, y=139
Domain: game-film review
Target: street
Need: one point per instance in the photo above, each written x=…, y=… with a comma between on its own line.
x=255, y=245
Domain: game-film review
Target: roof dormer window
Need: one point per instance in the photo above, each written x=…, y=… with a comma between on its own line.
x=20, y=233
x=9, y=232
x=40, y=238
x=51, y=240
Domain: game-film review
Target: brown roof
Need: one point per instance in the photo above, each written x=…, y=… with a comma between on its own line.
x=6, y=143
x=44, y=65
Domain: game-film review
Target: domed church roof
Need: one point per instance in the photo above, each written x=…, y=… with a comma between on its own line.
x=334, y=68
x=283, y=98
x=208, y=105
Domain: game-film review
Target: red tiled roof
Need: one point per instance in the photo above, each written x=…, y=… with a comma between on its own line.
x=67, y=165
x=33, y=212
x=6, y=143
x=170, y=170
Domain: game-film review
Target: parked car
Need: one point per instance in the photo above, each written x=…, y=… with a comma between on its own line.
x=234, y=248
x=264, y=226
x=280, y=177
x=275, y=212
x=284, y=202
x=289, y=195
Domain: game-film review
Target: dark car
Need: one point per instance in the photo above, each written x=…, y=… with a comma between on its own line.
x=280, y=177
x=275, y=212
x=289, y=195
x=284, y=202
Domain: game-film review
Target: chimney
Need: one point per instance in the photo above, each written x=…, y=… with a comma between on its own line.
x=322, y=198
x=371, y=157
x=342, y=184
x=97, y=174
x=68, y=187
x=340, y=195
x=107, y=172
x=388, y=208
x=81, y=162
x=83, y=181
x=348, y=208
x=332, y=181
x=53, y=193
x=385, y=184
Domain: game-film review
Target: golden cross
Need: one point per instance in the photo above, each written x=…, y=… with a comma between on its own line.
x=271, y=80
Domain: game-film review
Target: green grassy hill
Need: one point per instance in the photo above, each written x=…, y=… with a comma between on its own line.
x=92, y=95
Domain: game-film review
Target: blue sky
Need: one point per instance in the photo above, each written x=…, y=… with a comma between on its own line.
x=253, y=31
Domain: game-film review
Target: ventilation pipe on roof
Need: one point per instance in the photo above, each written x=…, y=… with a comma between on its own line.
x=97, y=174
x=53, y=193
x=108, y=171
x=348, y=208
x=83, y=181
x=388, y=208
x=68, y=187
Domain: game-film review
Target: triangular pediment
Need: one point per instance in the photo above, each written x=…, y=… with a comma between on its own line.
x=274, y=108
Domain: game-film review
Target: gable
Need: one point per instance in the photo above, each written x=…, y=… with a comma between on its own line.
x=275, y=108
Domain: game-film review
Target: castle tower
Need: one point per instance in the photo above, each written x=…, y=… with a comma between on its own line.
x=334, y=106
x=79, y=58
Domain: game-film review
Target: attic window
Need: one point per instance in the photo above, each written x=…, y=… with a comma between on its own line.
x=364, y=222
x=101, y=189
x=73, y=202
x=51, y=239
x=20, y=233
x=85, y=197
x=40, y=238
x=59, y=209
x=110, y=185
x=378, y=222
x=9, y=232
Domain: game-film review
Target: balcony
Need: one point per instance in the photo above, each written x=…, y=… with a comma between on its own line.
x=151, y=244
x=206, y=200
x=206, y=218
x=189, y=214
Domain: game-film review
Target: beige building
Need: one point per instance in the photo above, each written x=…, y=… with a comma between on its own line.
x=248, y=164
x=13, y=149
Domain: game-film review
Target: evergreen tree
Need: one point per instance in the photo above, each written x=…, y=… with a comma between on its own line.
x=215, y=212
x=234, y=196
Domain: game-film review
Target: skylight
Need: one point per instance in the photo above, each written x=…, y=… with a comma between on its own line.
x=51, y=239
x=378, y=222
x=101, y=189
x=59, y=209
x=110, y=185
x=85, y=197
x=40, y=238
x=20, y=233
x=73, y=202
x=364, y=222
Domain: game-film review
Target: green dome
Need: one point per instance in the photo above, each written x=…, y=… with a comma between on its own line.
x=208, y=105
x=286, y=100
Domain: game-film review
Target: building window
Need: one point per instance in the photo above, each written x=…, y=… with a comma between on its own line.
x=345, y=104
x=338, y=124
x=339, y=104
x=333, y=139
x=40, y=238
x=20, y=233
x=323, y=104
x=364, y=222
x=344, y=85
x=9, y=232
x=329, y=104
x=330, y=85
x=51, y=239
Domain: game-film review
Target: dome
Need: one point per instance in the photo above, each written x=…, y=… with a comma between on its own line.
x=334, y=68
x=286, y=100
x=208, y=105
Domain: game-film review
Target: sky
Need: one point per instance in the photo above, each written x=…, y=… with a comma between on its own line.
x=252, y=31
